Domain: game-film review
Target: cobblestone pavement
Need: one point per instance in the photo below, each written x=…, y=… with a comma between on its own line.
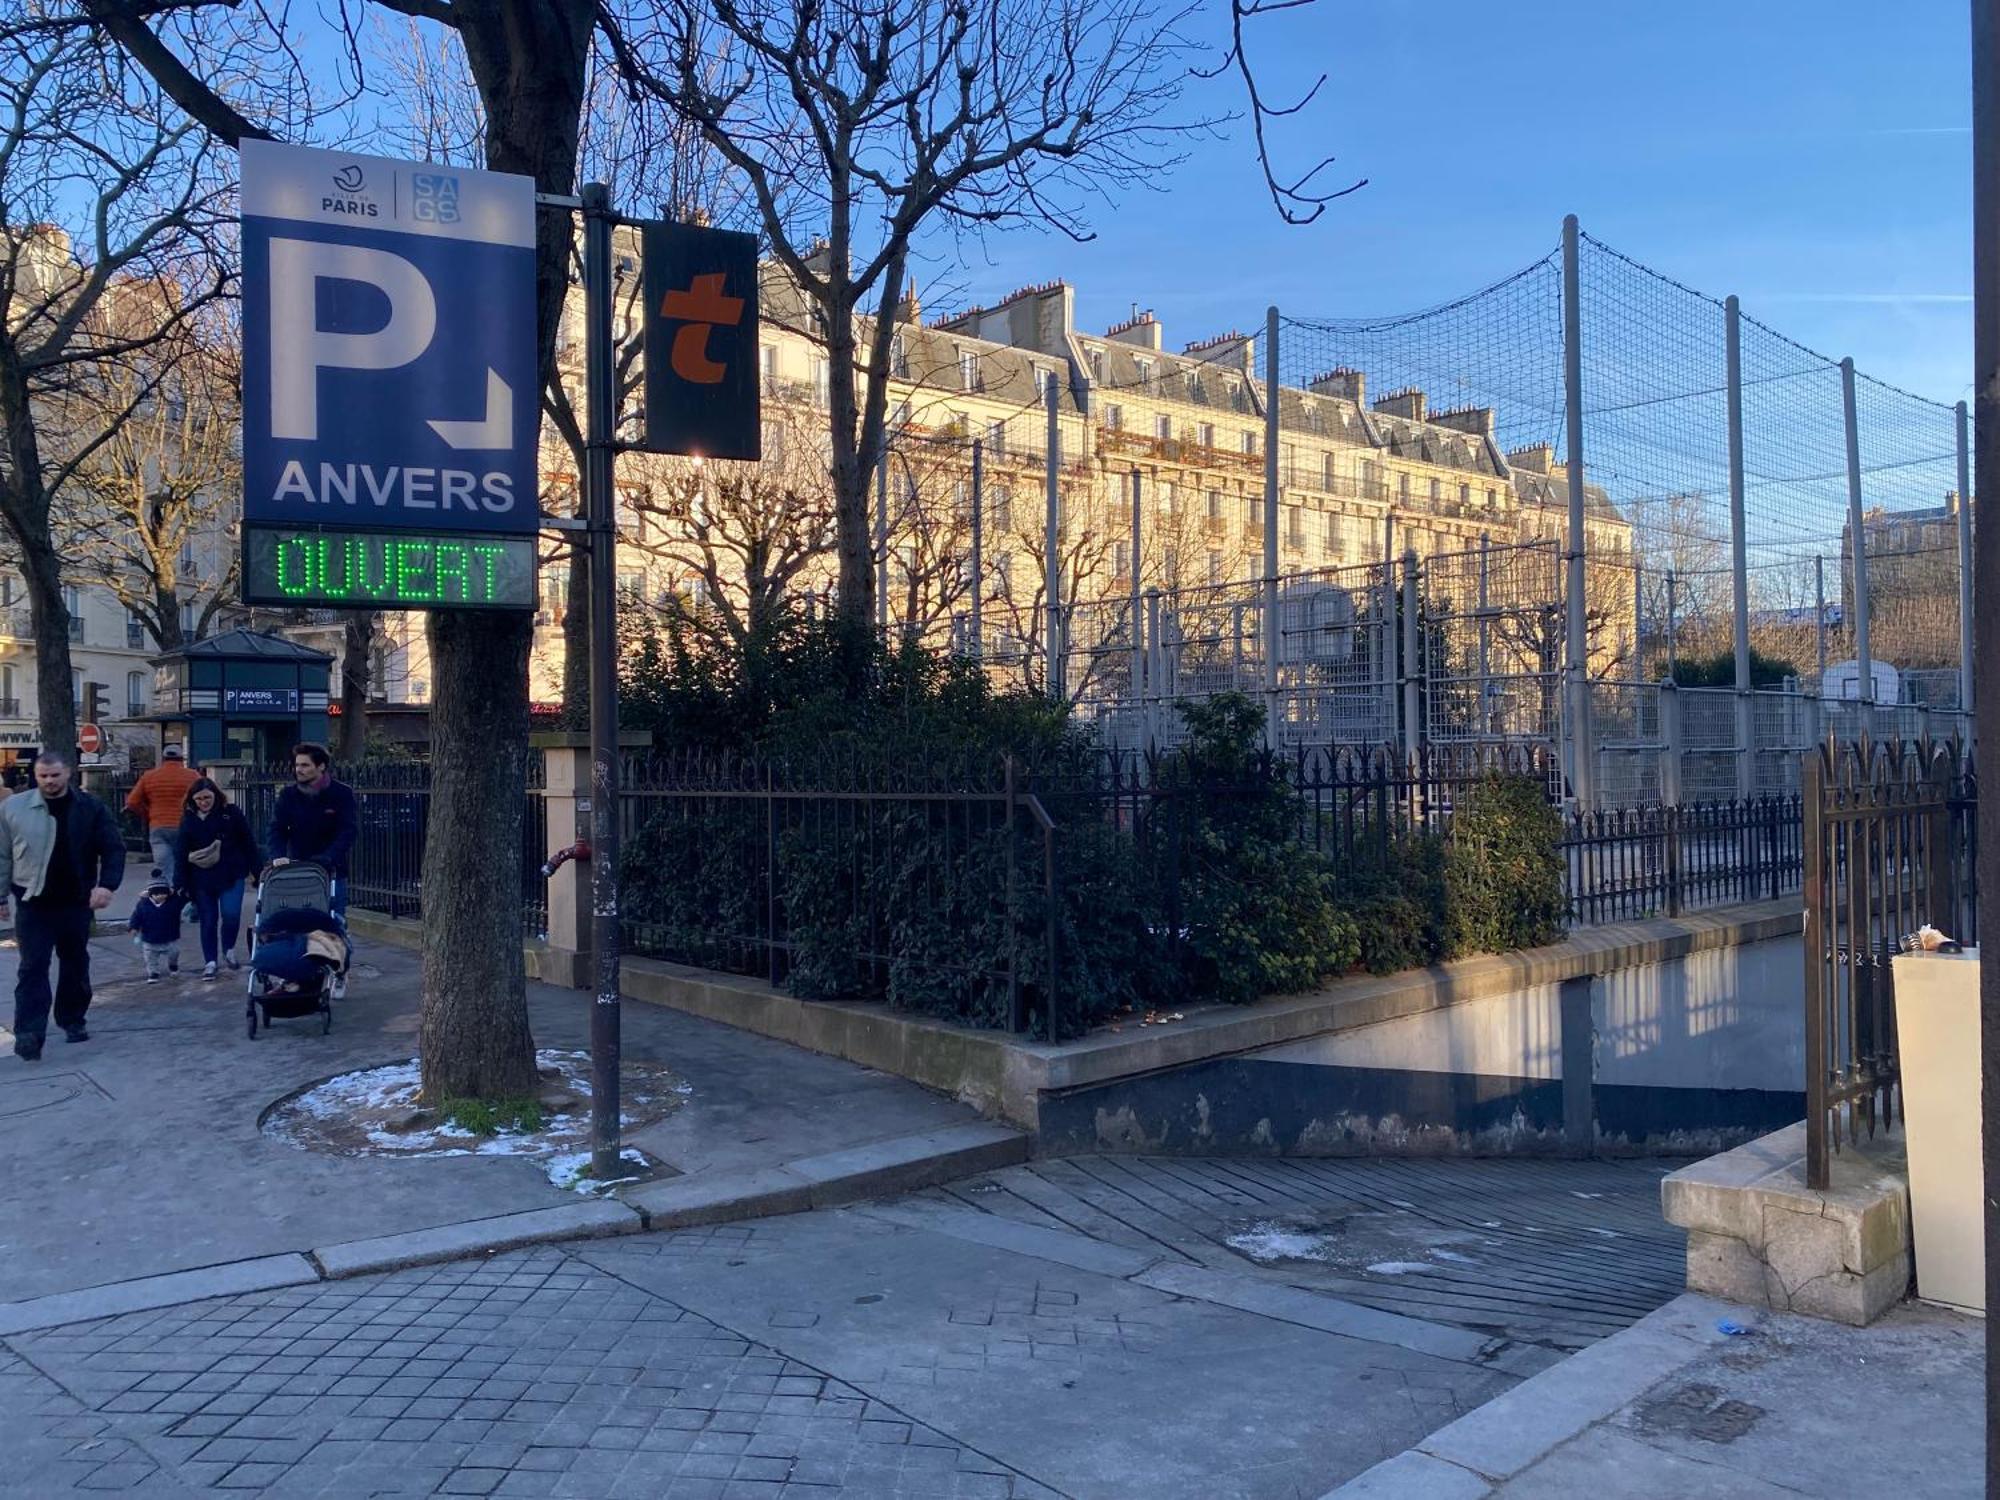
x=836, y=1354
x=529, y=1374
x=1554, y=1253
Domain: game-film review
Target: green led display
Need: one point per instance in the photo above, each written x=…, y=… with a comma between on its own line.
x=305, y=565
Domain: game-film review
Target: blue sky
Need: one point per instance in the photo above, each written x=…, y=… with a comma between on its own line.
x=1814, y=158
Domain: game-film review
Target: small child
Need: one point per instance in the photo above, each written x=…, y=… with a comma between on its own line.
x=156, y=923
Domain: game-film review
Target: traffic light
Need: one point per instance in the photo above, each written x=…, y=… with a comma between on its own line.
x=96, y=702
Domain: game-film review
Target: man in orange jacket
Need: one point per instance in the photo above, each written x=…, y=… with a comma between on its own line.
x=159, y=797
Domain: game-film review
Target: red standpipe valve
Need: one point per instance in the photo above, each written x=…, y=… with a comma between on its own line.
x=579, y=850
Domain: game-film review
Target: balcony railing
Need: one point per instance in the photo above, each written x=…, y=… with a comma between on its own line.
x=10, y=708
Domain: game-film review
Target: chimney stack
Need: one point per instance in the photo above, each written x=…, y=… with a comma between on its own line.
x=1408, y=402
x=1349, y=385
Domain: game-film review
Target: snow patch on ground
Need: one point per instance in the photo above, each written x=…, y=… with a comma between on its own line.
x=1399, y=1267
x=1267, y=1244
x=379, y=1112
x=569, y=1170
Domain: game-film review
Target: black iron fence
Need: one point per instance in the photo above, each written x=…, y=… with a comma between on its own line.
x=385, y=870
x=1890, y=843
x=815, y=878
x=1630, y=863
x=763, y=868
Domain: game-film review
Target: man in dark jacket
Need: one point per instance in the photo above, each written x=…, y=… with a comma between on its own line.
x=315, y=818
x=61, y=858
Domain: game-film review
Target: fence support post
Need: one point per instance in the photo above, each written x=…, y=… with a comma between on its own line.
x=1138, y=619
x=978, y=557
x=1583, y=771
x=1671, y=737
x=1156, y=668
x=882, y=542
x=1739, y=567
x=1412, y=703
x=1858, y=555
x=1273, y=716
x=1052, y=544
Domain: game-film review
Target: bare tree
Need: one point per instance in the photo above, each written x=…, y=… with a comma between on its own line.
x=858, y=124
x=529, y=63
x=752, y=536
x=148, y=513
x=109, y=229
x=877, y=112
x=1017, y=593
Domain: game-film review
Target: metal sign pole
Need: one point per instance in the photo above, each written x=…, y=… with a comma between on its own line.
x=600, y=511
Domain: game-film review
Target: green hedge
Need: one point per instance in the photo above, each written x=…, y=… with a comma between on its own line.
x=1218, y=893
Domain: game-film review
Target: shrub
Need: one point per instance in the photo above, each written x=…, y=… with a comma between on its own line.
x=1503, y=868
x=1395, y=895
x=695, y=883
x=1258, y=908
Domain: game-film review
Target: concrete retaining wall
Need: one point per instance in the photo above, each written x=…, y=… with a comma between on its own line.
x=1683, y=1036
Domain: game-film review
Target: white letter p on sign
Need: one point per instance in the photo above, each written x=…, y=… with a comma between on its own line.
x=299, y=350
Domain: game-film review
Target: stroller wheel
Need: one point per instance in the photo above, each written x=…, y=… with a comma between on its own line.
x=326, y=1016
x=250, y=1014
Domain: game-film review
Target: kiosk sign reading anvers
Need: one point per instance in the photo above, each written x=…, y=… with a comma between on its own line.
x=390, y=391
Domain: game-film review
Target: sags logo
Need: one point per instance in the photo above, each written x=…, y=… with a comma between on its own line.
x=349, y=181
x=433, y=198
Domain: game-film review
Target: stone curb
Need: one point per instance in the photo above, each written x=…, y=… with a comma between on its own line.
x=150, y=1292
x=900, y=1164
x=1465, y=1459
x=393, y=1252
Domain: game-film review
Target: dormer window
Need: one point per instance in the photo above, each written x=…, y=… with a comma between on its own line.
x=968, y=370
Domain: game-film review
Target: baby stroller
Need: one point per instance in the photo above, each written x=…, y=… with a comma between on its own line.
x=298, y=947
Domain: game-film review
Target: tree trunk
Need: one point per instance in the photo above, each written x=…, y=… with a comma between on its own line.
x=24, y=507
x=475, y=1041
x=55, y=701
x=528, y=59
x=356, y=659
x=167, y=630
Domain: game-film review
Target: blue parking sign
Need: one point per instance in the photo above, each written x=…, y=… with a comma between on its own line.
x=389, y=356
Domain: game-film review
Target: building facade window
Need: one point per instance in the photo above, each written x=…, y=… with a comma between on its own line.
x=135, y=694
x=769, y=356
x=1214, y=567
x=1249, y=441
x=1208, y=434
x=1114, y=418
x=1215, y=505
x=822, y=380
x=1165, y=427
x=1121, y=564
x=968, y=370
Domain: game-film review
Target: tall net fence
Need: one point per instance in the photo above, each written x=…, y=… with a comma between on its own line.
x=1417, y=586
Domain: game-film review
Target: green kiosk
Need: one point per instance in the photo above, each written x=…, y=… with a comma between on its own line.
x=243, y=696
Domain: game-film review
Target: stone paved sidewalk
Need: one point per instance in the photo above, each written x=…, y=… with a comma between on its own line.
x=819, y=1356
x=135, y=1153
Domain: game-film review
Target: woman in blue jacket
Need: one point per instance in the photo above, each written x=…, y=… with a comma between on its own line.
x=218, y=851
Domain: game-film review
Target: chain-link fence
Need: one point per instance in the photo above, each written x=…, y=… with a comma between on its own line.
x=1396, y=556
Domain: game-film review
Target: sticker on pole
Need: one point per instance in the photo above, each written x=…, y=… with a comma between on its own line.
x=700, y=287
x=389, y=358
